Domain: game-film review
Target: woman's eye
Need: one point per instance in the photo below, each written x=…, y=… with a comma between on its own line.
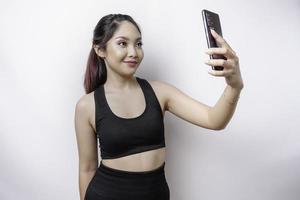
x=122, y=43
x=140, y=44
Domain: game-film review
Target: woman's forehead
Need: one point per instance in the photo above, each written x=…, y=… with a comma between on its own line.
x=127, y=31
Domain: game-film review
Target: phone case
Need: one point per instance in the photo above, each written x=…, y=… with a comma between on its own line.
x=211, y=20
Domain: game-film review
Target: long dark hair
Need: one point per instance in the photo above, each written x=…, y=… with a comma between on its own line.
x=96, y=74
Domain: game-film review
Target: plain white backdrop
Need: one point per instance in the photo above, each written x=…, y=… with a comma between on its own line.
x=43, y=52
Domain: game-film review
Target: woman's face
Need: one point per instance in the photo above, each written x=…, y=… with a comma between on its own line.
x=125, y=45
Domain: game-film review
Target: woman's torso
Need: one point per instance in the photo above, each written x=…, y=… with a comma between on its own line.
x=130, y=105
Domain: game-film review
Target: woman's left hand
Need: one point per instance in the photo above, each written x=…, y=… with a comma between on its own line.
x=231, y=70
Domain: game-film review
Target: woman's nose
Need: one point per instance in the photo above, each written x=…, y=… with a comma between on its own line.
x=132, y=51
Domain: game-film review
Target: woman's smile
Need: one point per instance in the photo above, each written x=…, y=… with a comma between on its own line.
x=132, y=63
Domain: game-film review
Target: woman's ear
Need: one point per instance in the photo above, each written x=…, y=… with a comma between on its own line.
x=99, y=51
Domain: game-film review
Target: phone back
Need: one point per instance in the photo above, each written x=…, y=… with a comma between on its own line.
x=211, y=20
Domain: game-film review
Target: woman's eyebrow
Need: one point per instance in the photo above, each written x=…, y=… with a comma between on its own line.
x=123, y=37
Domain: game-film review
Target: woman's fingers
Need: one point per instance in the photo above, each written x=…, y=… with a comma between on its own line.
x=223, y=49
x=221, y=42
x=220, y=50
x=231, y=61
x=219, y=39
x=219, y=62
x=227, y=64
x=224, y=73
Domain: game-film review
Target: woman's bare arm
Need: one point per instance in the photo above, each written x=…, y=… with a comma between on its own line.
x=196, y=112
x=193, y=111
x=183, y=106
x=86, y=144
x=223, y=110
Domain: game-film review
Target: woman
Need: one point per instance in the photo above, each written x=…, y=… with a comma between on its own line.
x=126, y=114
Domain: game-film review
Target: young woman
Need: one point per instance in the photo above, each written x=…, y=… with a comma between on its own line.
x=126, y=114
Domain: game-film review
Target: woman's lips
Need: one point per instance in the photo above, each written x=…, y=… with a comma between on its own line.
x=131, y=63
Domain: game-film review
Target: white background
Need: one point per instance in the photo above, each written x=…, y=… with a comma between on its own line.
x=43, y=51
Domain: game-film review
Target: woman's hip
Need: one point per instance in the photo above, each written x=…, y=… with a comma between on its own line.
x=114, y=184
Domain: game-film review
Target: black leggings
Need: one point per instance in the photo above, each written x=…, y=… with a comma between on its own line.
x=114, y=184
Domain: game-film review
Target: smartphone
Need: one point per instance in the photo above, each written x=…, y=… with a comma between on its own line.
x=211, y=20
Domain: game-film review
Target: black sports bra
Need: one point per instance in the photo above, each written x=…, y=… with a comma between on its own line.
x=119, y=136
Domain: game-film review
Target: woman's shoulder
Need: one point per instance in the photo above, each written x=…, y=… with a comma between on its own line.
x=163, y=89
x=166, y=90
x=161, y=86
x=157, y=84
x=85, y=99
x=85, y=103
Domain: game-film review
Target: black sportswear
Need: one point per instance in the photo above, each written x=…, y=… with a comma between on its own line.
x=119, y=136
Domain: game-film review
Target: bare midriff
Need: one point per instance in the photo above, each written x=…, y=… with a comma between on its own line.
x=144, y=161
